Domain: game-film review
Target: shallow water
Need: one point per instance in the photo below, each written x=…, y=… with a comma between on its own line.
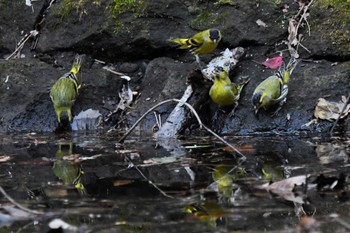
x=95, y=184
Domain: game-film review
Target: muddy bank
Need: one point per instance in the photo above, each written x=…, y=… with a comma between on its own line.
x=133, y=39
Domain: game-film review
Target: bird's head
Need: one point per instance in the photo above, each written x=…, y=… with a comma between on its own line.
x=257, y=101
x=220, y=74
x=215, y=35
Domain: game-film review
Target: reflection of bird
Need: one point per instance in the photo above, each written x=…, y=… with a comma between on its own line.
x=225, y=175
x=274, y=89
x=223, y=91
x=201, y=43
x=65, y=90
x=68, y=171
x=207, y=211
x=272, y=172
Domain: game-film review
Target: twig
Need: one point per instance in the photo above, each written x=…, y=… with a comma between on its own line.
x=303, y=17
x=17, y=204
x=123, y=76
x=21, y=43
x=201, y=125
x=341, y=113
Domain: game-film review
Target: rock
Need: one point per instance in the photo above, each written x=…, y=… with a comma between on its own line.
x=25, y=104
x=128, y=67
x=165, y=78
x=139, y=34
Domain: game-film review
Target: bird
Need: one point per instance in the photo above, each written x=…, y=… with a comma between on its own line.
x=224, y=92
x=201, y=43
x=273, y=89
x=64, y=92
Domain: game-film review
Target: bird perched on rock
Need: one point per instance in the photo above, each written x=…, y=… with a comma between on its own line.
x=64, y=92
x=224, y=92
x=274, y=89
x=201, y=43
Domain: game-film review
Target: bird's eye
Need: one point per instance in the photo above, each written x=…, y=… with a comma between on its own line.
x=256, y=99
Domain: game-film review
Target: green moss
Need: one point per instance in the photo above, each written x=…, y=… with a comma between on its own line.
x=335, y=23
x=225, y=2
x=205, y=19
x=67, y=6
x=119, y=7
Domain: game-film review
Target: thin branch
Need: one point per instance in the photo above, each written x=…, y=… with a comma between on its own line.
x=21, y=43
x=341, y=113
x=123, y=76
x=17, y=204
x=201, y=125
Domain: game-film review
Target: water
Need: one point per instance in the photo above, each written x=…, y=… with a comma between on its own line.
x=96, y=184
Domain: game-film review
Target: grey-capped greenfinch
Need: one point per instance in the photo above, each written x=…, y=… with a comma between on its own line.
x=64, y=92
x=201, y=43
x=274, y=89
x=224, y=92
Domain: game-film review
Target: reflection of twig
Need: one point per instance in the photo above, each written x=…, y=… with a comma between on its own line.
x=341, y=113
x=342, y=222
x=24, y=227
x=17, y=204
x=148, y=180
x=194, y=113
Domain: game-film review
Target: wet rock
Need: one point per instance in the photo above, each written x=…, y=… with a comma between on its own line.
x=165, y=78
x=128, y=67
x=24, y=90
x=139, y=34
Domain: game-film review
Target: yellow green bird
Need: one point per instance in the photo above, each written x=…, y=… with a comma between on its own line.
x=64, y=92
x=274, y=89
x=224, y=92
x=201, y=43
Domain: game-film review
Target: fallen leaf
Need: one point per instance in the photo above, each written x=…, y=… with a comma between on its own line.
x=308, y=225
x=273, y=63
x=260, y=23
x=4, y=158
x=118, y=183
x=329, y=110
x=59, y=223
x=293, y=32
x=285, y=188
x=332, y=153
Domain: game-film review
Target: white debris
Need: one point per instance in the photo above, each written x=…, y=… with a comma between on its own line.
x=86, y=120
x=226, y=61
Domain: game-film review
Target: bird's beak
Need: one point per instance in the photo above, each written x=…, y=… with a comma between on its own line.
x=215, y=40
x=256, y=109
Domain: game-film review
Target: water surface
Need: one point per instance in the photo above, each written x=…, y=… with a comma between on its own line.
x=96, y=184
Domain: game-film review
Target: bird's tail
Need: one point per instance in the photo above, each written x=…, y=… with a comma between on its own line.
x=184, y=42
x=289, y=69
x=284, y=71
x=78, y=60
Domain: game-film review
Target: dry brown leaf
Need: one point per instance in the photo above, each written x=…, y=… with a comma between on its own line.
x=332, y=153
x=285, y=188
x=293, y=32
x=329, y=110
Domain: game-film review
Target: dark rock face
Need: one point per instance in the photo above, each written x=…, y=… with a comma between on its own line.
x=135, y=39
